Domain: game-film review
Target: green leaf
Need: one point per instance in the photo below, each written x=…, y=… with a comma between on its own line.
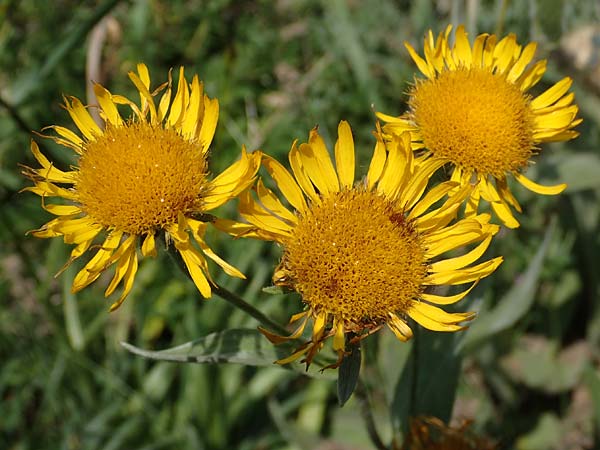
x=515, y=303
x=348, y=374
x=592, y=379
x=427, y=385
x=71, y=310
x=275, y=290
x=238, y=346
x=241, y=346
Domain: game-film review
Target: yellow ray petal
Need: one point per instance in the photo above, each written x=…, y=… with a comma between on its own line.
x=434, y=195
x=339, y=337
x=538, y=188
x=129, y=278
x=145, y=95
x=344, y=155
x=48, y=171
x=258, y=216
x=466, y=275
x=400, y=328
x=450, y=299
x=420, y=62
x=300, y=173
x=69, y=136
x=436, y=319
x=552, y=94
x=285, y=182
x=82, y=118
x=149, y=245
x=209, y=122
x=109, y=109
x=377, y=163
x=272, y=203
x=62, y=210
x=462, y=48
x=526, y=56
x=179, y=104
x=191, y=117
x=532, y=75
x=190, y=258
x=232, y=180
x=123, y=266
x=505, y=214
x=478, y=47
x=227, y=268
x=461, y=261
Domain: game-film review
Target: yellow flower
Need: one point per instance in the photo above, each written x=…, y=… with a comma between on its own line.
x=364, y=255
x=137, y=178
x=430, y=433
x=473, y=111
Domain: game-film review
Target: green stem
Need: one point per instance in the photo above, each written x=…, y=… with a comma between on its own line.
x=367, y=415
x=227, y=295
x=242, y=304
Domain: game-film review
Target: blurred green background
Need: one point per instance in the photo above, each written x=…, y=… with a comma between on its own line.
x=529, y=377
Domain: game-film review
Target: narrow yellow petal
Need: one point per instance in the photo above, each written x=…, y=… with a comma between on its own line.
x=258, y=216
x=420, y=62
x=505, y=214
x=62, y=210
x=436, y=319
x=149, y=245
x=526, y=56
x=199, y=277
x=462, y=48
x=147, y=100
x=272, y=203
x=227, y=268
x=552, y=94
x=466, y=275
x=319, y=326
x=399, y=327
x=109, y=109
x=434, y=195
x=538, y=188
x=377, y=163
x=123, y=265
x=344, y=155
x=48, y=171
x=179, y=104
x=69, y=136
x=209, y=122
x=285, y=182
x=478, y=47
x=82, y=118
x=461, y=261
x=300, y=173
x=450, y=299
x=532, y=75
x=339, y=337
x=129, y=278
x=232, y=180
x=191, y=116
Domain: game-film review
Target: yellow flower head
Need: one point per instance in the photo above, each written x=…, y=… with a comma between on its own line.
x=139, y=177
x=364, y=255
x=430, y=433
x=473, y=111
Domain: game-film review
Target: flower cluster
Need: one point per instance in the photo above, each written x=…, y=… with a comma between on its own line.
x=364, y=251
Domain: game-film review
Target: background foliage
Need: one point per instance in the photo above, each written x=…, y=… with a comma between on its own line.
x=529, y=365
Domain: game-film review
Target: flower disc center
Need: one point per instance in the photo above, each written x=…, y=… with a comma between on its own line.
x=139, y=177
x=355, y=256
x=476, y=119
